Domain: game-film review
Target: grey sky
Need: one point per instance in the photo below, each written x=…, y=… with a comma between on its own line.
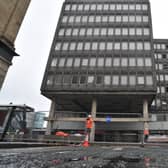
x=23, y=81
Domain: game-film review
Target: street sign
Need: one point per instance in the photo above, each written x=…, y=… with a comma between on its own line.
x=108, y=119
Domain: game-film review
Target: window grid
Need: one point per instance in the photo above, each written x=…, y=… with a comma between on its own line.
x=107, y=80
x=139, y=46
x=105, y=19
x=105, y=62
x=106, y=7
x=104, y=31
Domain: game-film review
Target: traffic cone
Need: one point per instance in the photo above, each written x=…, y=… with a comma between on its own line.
x=86, y=141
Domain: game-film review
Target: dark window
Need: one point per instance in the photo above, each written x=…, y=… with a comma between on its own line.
x=99, y=80
x=166, y=47
x=165, y=67
x=163, y=55
x=74, y=79
x=82, y=79
x=167, y=89
x=161, y=117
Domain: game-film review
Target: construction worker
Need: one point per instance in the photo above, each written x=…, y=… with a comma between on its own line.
x=146, y=134
x=89, y=125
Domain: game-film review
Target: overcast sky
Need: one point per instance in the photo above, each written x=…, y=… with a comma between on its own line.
x=23, y=81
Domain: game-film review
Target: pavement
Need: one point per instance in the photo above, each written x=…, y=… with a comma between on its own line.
x=82, y=157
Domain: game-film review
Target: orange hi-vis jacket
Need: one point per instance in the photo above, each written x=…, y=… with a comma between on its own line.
x=146, y=132
x=89, y=123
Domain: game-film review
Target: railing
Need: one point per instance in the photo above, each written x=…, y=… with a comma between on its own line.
x=60, y=114
x=98, y=114
x=118, y=115
x=44, y=138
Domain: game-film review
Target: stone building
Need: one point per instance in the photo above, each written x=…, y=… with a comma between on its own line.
x=11, y=17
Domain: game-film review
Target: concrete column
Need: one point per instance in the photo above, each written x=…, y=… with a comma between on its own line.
x=51, y=115
x=145, y=114
x=146, y=117
x=93, y=113
x=145, y=110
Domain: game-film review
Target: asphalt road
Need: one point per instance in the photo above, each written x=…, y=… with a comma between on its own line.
x=81, y=157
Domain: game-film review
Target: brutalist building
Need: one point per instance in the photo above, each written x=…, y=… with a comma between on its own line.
x=159, y=107
x=102, y=63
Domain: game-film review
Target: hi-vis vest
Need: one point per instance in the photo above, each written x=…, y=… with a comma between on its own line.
x=89, y=123
x=146, y=132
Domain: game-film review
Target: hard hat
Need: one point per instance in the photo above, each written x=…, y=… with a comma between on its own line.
x=89, y=116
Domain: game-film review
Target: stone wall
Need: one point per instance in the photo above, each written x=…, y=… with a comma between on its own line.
x=12, y=13
x=3, y=70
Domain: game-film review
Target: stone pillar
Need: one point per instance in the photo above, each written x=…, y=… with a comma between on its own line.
x=51, y=116
x=93, y=113
x=146, y=117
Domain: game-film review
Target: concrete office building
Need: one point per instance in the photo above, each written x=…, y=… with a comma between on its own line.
x=159, y=107
x=39, y=119
x=11, y=16
x=30, y=117
x=102, y=63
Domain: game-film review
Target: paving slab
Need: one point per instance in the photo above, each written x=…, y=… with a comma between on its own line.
x=82, y=157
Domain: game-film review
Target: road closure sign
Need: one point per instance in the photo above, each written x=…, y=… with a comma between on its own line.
x=108, y=119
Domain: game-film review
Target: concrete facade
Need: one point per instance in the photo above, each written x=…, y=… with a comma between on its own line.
x=159, y=107
x=3, y=70
x=30, y=119
x=39, y=120
x=101, y=63
x=11, y=16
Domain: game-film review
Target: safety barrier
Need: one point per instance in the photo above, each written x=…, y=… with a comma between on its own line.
x=45, y=138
